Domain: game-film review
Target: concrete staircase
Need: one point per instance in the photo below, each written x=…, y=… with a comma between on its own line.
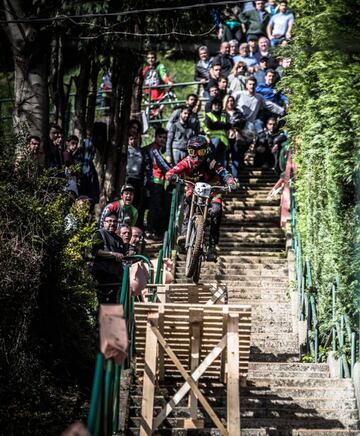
x=281, y=396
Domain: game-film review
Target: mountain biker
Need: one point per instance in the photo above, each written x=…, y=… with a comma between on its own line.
x=200, y=166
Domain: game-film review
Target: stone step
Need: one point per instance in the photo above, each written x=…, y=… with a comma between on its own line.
x=291, y=421
x=300, y=367
x=250, y=202
x=320, y=432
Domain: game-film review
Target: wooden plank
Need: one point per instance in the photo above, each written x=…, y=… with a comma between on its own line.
x=209, y=359
x=147, y=404
x=191, y=382
x=196, y=333
x=161, y=351
x=224, y=332
x=233, y=380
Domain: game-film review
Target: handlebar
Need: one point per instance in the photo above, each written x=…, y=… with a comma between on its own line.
x=213, y=188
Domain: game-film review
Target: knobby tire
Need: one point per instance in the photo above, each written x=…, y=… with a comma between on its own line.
x=194, y=250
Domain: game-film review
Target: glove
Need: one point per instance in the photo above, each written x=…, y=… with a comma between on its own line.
x=174, y=178
x=231, y=183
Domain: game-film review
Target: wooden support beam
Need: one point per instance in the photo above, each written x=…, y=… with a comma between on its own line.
x=195, y=318
x=180, y=394
x=225, y=312
x=151, y=348
x=209, y=410
x=233, y=378
x=161, y=350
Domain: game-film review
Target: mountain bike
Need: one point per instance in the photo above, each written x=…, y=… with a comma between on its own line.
x=198, y=227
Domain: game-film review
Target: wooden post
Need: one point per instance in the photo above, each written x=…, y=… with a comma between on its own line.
x=224, y=332
x=195, y=318
x=161, y=350
x=233, y=378
x=151, y=348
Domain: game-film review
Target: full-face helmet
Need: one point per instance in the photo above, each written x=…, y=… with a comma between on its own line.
x=197, y=147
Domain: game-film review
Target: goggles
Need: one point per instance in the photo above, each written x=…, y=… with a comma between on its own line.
x=201, y=152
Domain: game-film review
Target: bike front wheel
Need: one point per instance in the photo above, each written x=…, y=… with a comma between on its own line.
x=194, y=250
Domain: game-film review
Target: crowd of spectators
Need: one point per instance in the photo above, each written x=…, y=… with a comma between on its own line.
x=242, y=116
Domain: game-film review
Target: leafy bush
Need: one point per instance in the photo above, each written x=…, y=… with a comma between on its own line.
x=324, y=124
x=47, y=302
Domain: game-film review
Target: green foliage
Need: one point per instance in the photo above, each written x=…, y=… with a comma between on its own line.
x=47, y=302
x=324, y=124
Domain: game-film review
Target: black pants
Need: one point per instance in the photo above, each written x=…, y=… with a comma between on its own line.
x=139, y=199
x=158, y=209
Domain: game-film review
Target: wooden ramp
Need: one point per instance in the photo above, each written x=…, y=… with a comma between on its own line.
x=190, y=293
x=192, y=340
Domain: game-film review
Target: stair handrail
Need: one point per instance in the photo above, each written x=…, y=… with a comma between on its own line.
x=345, y=341
x=103, y=417
x=170, y=235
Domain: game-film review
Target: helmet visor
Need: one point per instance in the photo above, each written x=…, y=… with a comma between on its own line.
x=201, y=152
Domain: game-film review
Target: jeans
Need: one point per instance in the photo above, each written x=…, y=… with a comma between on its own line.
x=178, y=155
x=238, y=150
x=219, y=150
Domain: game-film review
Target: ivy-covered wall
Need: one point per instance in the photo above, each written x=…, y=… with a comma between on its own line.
x=324, y=122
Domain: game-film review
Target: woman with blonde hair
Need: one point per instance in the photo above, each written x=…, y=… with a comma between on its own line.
x=237, y=77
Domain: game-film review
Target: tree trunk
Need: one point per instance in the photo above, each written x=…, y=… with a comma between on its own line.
x=82, y=87
x=90, y=114
x=57, y=80
x=31, y=52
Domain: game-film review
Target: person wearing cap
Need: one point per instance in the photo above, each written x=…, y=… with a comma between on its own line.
x=123, y=208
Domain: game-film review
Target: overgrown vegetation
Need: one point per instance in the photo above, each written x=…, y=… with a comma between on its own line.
x=324, y=124
x=47, y=302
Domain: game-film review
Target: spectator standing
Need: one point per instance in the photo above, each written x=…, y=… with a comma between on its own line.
x=30, y=152
x=216, y=124
x=214, y=75
x=264, y=51
x=224, y=59
x=231, y=25
x=280, y=25
x=244, y=56
x=253, y=46
x=271, y=7
x=154, y=74
x=234, y=47
x=123, y=208
x=107, y=269
x=179, y=134
x=53, y=149
x=222, y=86
x=260, y=73
x=237, y=77
x=202, y=66
x=237, y=145
x=191, y=103
x=268, y=145
x=269, y=93
x=251, y=103
x=72, y=144
x=284, y=64
x=159, y=204
x=255, y=21
x=89, y=182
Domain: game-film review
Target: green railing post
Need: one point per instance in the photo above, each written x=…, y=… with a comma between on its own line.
x=108, y=397
x=353, y=352
x=96, y=393
x=116, y=409
x=341, y=343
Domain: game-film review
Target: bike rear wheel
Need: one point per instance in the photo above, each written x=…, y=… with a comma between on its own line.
x=194, y=250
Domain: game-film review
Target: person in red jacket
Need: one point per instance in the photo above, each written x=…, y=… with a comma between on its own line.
x=153, y=74
x=200, y=166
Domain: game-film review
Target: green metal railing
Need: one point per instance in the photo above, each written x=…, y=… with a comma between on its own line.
x=170, y=235
x=344, y=341
x=103, y=418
